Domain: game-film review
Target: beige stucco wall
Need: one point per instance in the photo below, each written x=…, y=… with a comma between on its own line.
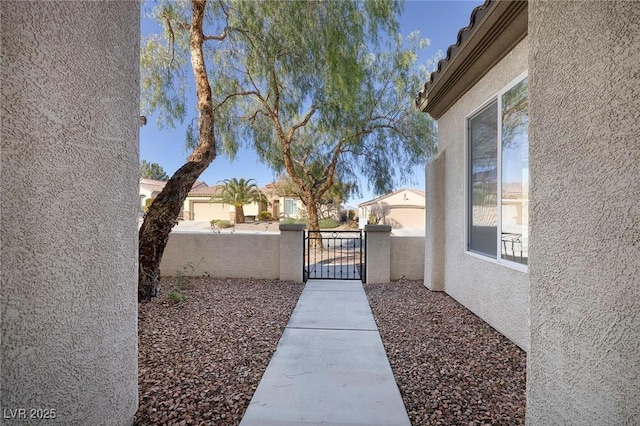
x=496, y=293
x=407, y=257
x=584, y=362
x=223, y=255
x=69, y=164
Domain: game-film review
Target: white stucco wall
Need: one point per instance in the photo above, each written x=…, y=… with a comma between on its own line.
x=69, y=164
x=496, y=293
x=223, y=255
x=584, y=362
x=407, y=257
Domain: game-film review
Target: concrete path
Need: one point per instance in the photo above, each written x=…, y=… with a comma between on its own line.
x=330, y=367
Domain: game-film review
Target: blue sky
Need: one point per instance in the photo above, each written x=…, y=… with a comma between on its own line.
x=439, y=21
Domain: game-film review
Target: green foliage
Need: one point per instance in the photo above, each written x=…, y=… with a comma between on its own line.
x=352, y=214
x=265, y=215
x=291, y=221
x=328, y=223
x=176, y=297
x=152, y=171
x=180, y=282
x=323, y=90
x=221, y=223
x=239, y=193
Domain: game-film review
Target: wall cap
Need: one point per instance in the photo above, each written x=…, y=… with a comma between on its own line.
x=377, y=228
x=293, y=227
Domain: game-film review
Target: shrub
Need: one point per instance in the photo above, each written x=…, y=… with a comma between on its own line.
x=327, y=223
x=176, y=297
x=291, y=221
x=352, y=214
x=223, y=223
x=265, y=215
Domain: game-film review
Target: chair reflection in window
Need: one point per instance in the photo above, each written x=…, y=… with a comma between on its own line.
x=512, y=248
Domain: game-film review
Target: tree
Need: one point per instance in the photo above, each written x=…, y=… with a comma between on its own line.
x=329, y=203
x=238, y=193
x=152, y=171
x=323, y=97
x=162, y=67
x=379, y=212
x=302, y=82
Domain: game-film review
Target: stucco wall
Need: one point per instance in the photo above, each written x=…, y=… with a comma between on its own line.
x=435, y=237
x=496, y=293
x=407, y=257
x=223, y=255
x=584, y=363
x=69, y=164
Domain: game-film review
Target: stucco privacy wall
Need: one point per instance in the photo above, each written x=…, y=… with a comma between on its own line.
x=69, y=172
x=407, y=257
x=223, y=255
x=494, y=292
x=584, y=362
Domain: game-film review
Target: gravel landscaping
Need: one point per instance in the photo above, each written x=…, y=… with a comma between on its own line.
x=451, y=367
x=200, y=360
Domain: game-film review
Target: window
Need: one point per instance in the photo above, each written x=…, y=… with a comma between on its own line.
x=290, y=207
x=498, y=176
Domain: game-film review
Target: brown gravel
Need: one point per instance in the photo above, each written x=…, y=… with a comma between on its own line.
x=200, y=361
x=451, y=367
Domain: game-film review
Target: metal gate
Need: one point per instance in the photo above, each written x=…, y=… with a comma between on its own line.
x=334, y=255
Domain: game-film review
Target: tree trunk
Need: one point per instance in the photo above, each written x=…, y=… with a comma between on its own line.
x=164, y=210
x=239, y=214
x=158, y=222
x=312, y=212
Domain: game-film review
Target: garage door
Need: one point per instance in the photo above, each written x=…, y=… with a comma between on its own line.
x=407, y=217
x=205, y=211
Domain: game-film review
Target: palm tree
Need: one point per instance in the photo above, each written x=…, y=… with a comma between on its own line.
x=238, y=193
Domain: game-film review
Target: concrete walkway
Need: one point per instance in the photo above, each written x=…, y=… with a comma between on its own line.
x=330, y=367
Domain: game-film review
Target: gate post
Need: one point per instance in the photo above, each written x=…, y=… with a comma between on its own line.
x=378, y=253
x=291, y=252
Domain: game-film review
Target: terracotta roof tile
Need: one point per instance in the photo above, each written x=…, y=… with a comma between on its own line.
x=476, y=16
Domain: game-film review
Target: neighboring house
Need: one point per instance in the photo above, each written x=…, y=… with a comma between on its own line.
x=283, y=205
x=198, y=206
x=150, y=188
x=532, y=199
x=406, y=208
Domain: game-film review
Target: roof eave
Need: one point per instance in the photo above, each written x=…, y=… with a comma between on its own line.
x=495, y=28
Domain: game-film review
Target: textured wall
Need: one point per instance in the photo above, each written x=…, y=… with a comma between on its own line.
x=69, y=162
x=407, y=257
x=223, y=255
x=496, y=293
x=584, y=363
x=434, y=231
x=378, y=253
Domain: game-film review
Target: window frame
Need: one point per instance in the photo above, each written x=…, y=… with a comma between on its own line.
x=496, y=97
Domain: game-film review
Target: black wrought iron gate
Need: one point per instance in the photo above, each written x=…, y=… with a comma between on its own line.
x=334, y=255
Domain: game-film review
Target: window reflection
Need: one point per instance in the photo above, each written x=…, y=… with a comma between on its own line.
x=483, y=158
x=515, y=174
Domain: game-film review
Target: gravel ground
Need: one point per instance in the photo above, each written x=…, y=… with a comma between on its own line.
x=201, y=360
x=451, y=367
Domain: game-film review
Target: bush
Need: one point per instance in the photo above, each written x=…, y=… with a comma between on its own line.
x=291, y=221
x=176, y=297
x=352, y=214
x=265, y=215
x=223, y=223
x=327, y=223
